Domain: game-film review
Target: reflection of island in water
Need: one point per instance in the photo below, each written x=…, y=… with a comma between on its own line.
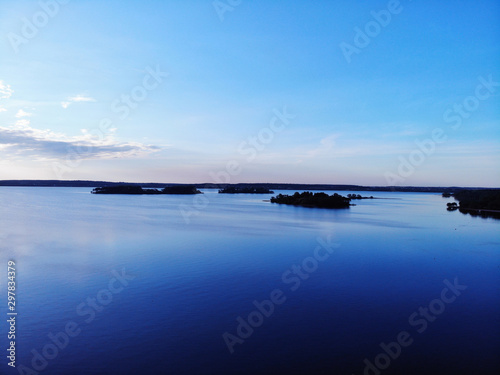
x=137, y=190
x=308, y=199
x=245, y=190
x=484, y=203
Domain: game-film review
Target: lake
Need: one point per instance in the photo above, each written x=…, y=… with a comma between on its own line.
x=231, y=284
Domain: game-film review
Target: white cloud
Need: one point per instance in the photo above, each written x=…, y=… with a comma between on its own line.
x=326, y=147
x=2, y=109
x=22, y=113
x=81, y=98
x=21, y=139
x=5, y=90
x=76, y=99
x=23, y=123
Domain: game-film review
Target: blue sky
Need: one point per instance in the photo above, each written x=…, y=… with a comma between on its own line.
x=189, y=91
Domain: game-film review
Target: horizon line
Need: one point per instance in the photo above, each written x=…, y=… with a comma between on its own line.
x=250, y=183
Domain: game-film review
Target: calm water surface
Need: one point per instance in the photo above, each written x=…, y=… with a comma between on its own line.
x=188, y=283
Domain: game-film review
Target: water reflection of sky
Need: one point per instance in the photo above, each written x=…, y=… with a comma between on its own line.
x=193, y=280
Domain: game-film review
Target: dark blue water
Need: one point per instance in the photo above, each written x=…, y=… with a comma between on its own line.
x=182, y=286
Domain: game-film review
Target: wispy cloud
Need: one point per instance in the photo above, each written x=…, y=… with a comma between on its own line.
x=22, y=113
x=22, y=123
x=5, y=93
x=76, y=99
x=5, y=90
x=81, y=98
x=22, y=139
x=325, y=146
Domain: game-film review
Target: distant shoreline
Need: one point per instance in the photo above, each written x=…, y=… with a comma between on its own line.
x=270, y=186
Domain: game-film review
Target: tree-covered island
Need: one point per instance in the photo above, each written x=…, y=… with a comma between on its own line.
x=245, y=190
x=137, y=190
x=485, y=203
x=318, y=200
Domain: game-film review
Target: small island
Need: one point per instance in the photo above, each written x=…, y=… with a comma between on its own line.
x=358, y=196
x=245, y=190
x=452, y=206
x=316, y=200
x=137, y=190
x=181, y=189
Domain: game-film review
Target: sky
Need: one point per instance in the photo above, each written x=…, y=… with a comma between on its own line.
x=192, y=91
